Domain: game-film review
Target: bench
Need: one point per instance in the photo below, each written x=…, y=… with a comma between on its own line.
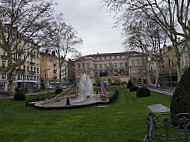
x=168, y=127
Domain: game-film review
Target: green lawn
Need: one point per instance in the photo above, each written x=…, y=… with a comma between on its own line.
x=124, y=121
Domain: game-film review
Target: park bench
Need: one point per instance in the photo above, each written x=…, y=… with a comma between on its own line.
x=168, y=127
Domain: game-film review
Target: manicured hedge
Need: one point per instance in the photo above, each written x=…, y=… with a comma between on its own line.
x=129, y=84
x=143, y=92
x=114, y=97
x=19, y=96
x=134, y=88
x=181, y=97
x=58, y=91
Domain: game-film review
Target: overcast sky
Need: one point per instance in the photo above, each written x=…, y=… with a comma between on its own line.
x=93, y=24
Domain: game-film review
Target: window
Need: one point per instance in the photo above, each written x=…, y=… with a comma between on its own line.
x=19, y=77
x=19, y=57
x=24, y=67
x=110, y=57
x=95, y=66
x=83, y=65
x=31, y=68
x=37, y=70
x=88, y=65
x=133, y=62
x=125, y=64
x=4, y=53
x=188, y=47
x=14, y=46
x=3, y=64
x=138, y=62
x=105, y=58
x=100, y=58
x=78, y=66
x=19, y=48
x=105, y=65
x=115, y=65
x=100, y=66
x=121, y=64
x=3, y=76
x=28, y=68
x=189, y=56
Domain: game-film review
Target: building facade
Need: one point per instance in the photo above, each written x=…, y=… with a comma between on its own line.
x=109, y=66
x=68, y=72
x=49, y=70
x=27, y=75
x=167, y=76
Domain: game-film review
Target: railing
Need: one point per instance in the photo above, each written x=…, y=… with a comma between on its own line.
x=168, y=127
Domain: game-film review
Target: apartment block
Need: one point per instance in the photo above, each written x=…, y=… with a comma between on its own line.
x=122, y=65
x=26, y=75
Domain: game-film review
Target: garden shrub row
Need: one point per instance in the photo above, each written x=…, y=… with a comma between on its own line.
x=39, y=97
x=114, y=97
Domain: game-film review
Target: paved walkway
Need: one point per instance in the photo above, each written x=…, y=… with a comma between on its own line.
x=168, y=93
x=159, y=90
x=28, y=94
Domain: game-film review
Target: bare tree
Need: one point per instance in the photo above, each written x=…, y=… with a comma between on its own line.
x=172, y=16
x=63, y=39
x=145, y=37
x=22, y=22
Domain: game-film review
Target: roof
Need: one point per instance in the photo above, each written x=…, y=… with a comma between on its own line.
x=111, y=54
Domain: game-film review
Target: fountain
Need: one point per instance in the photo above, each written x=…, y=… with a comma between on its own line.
x=85, y=97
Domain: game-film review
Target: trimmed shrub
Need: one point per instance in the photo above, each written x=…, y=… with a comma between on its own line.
x=180, y=100
x=143, y=92
x=129, y=84
x=134, y=88
x=58, y=91
x=19, y=96
x=114, y=97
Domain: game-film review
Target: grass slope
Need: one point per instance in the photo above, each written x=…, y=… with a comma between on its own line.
x=124, y=121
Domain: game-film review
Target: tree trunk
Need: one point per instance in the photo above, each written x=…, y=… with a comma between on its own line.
x=10, y=74
x=148, y=74
x=10, y=80
x=178, y=69
x=156, y=76
x=60, y=80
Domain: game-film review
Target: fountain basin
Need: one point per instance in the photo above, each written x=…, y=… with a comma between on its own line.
x=74, y=103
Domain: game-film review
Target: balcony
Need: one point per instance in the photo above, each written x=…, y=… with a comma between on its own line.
x=20, y=70
x=4, y=57
x=32, y=63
